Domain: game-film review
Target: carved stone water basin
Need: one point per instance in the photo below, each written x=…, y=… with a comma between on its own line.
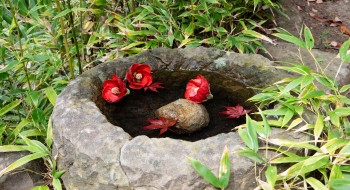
x=101, y=146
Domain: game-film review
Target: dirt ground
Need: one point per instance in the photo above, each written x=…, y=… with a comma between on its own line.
x=325, y=18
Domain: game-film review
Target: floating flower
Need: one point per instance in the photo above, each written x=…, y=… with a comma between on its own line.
x=198, y=90
x=139, y=76
x=114, y=89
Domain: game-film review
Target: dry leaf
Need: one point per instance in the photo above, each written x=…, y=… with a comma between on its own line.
x=299, y=8
x=334, y=43
x=319, y=18
x=311, y=0
x=336, y=19
x=314, y=10
x=344, y=30
x=319, y=1
x=265, y=7
x=334, y=24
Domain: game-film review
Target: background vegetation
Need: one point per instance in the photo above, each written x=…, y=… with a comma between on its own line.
x=44, y=44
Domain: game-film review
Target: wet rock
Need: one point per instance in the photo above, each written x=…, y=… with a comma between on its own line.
x=190, y=116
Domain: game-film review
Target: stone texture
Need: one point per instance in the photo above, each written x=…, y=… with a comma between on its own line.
x=22, y=178
x=190, y=116
x=99, y=155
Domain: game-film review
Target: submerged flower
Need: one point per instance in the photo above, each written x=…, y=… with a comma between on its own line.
x=139, y=76
x=198, y=90
x=114, y=89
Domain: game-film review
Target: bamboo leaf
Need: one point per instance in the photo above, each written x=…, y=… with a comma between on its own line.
x=293, y=144
x=318, y=128
x=224, y=173
x=332, y=145
x=308, y=165
x=63, y=13
x=291, y=39
x=204, y=172
x=271, y=173
x=9, y=107
x=51, y=94
x=344, y=49
x=22, y=161
x=315, y=184
x=309, y=40
x=249, y=153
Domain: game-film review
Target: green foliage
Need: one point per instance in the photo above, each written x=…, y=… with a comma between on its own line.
x=295, y=100
x=44, y=44
x=224, y=173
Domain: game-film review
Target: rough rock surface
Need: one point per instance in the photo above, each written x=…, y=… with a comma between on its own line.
x=190, y=116
x=99, y=155
x=22, y=178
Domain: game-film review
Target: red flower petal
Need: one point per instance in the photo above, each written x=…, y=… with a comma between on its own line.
x=144, y=70
x=108, y=85
x=198, y=90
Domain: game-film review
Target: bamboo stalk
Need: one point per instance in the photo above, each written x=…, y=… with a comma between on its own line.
x=75, y=38
x=20, y=43
x=65, y=41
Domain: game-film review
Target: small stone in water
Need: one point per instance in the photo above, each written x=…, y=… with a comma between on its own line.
x=190, y=116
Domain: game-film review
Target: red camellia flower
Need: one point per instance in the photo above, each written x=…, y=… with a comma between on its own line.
x=114, y=89
x=139, y=76
x=198, y=90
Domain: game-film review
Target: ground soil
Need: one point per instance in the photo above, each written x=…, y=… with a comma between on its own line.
x=322, y=31
x=133, y=110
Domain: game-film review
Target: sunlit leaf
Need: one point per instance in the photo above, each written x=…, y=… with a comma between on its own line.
x=315, y=184
x=309, y=40
x=249, y=153
x=318, y=128
x=225, y=170
x=308, y=165
x=9, y=107
x=204, y=172
x=22, y=161
x=271, y=173
x=291, y=38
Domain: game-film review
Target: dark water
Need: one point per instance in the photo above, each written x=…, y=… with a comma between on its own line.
x=133, y=110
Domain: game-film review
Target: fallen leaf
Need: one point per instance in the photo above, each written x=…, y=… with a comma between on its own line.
x=335, y=44
x=235, y=112
x=336, y=19
x=344, y=30
x=334, y=24
x=319, y=18
x=163, y=124
x=299, y=8
x=314, y=10
x=319, y=1
x=154, y=86
x=265, y=7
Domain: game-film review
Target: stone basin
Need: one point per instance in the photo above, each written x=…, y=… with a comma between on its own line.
x=98, y=153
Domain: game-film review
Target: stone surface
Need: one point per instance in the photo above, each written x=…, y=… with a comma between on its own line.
x=99, y=155
x=25, y=177
x=190, y=116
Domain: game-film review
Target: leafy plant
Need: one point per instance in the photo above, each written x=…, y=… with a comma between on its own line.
x=297, y=99
x=224, y=172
